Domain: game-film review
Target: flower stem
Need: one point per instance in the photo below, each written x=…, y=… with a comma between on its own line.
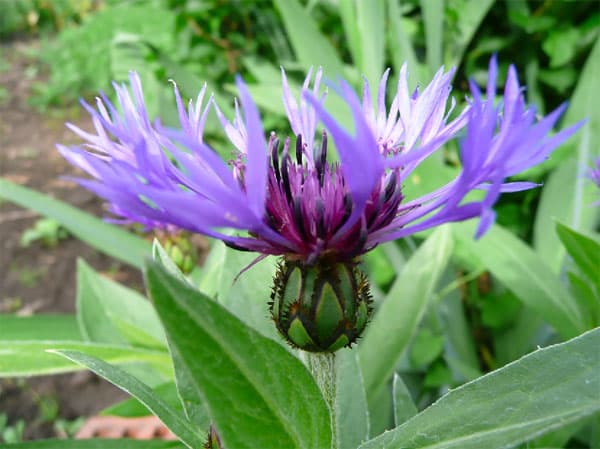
x=322, y=367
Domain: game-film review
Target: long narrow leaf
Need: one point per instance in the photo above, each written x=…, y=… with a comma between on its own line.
x=575, y=197
x=525, y=274
x=370, y=22
x=30, y=358
x=433, y=17
x=39, y=327
x=469, y=15
x=176, y=423
x=401, y=47
x=391, y=329
x=583, y=106
x=540, y=392
x=102, y=236
x=310, y=45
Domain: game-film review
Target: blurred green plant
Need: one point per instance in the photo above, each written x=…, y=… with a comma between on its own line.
x=47, y=230
x=80, y=60
x=11, y=433
x=43, y=16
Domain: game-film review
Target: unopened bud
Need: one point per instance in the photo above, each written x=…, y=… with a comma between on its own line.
x=181, y=251
x=321, y=307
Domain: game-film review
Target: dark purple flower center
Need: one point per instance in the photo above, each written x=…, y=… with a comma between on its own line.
x=308, y=203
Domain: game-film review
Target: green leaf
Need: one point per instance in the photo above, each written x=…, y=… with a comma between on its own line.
x=584, y=250
x=39, y=327
x=425, y=348
x=500, y=311
x=188, y=82
x=583, y=105
x=351, y=401
x=246, y=293
x=401, y=47
x=381, y=272
x=588, y=297
x=104, y=237
x=524, y=273
x=404, y=407
x=460, y=353
x=194, y=405
x=574, y=195
x=263, y=70
x=310, y=46
x=561, y=45
x=176, y=423
x=108, y=312
x=370, y=23
x=30, y=358
x=347, y=11
x=102, y=443
x=132, y=408
x=520, y=338
x=469, y=16
x=258, y=394
x=267, y=95
x=160, y=255
x=433, y=18
x=438, y=375
x=540, y=392
x=394, y=324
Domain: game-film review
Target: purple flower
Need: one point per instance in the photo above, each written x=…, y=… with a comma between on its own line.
x=292, y=197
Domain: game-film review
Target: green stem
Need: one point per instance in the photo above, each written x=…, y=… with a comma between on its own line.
x=322, y=367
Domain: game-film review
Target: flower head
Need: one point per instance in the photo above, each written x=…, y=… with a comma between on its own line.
x=289, y=195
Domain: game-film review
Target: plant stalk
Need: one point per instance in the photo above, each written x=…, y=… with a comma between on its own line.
x=323, y=368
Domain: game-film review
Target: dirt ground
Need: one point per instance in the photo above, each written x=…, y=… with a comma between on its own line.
x=37, y=279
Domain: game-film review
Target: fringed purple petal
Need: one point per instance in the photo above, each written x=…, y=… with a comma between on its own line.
x=296, y=203
x=256, y=164
x=359, y=155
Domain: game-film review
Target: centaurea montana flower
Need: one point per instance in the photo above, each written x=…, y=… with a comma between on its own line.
x=291, y=199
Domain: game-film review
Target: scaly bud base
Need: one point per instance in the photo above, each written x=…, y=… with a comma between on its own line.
x=321, y=307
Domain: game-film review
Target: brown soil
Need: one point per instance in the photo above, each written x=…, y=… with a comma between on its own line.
x=38, y=279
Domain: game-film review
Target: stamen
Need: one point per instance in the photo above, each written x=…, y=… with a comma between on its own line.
x=298, y=218
x=299, y=149
x=348, y=205
x=362, y=237
x=374, y=214
x=324, y=149
x=320, y=209
x=390, y=187
x=274, y=144
x=237, y=247
x=285, y=158
x=321, y=159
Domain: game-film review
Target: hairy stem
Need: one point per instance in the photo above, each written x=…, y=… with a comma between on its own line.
x=322, y=367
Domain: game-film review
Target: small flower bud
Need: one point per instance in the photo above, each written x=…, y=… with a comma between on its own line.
x=181, y=251
x=321, y=307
